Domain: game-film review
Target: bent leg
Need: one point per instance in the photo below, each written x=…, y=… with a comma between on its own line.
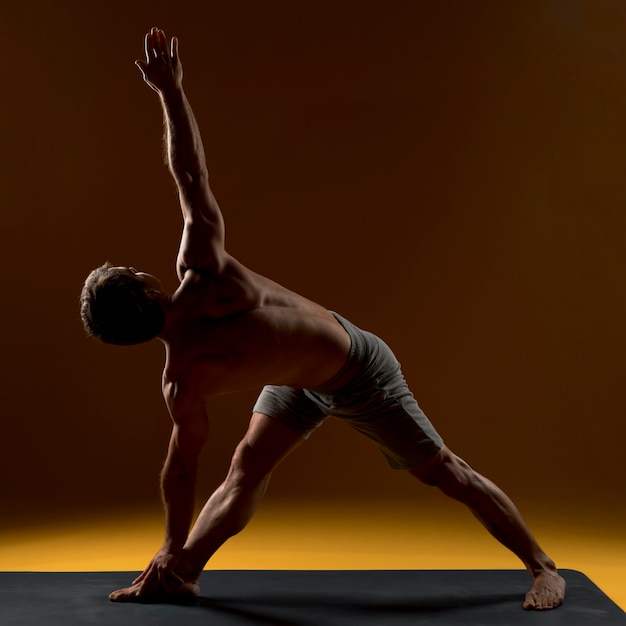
x=500, y=516
x=230, y=508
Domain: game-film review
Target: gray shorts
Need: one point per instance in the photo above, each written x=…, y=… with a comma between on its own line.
x=370, y=394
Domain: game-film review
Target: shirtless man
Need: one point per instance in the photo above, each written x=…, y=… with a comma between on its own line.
x=226, y=329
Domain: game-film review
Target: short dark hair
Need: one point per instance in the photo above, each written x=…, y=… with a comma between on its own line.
x=115, y=308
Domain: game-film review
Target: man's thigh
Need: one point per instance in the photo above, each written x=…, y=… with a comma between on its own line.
x=402, y=432
x=266, y=443
x=292, y=408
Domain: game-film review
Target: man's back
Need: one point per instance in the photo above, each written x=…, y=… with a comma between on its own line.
x=236, y=329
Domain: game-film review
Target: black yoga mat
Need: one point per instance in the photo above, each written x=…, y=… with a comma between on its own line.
x=303, y=598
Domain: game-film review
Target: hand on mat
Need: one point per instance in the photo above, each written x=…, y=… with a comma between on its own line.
x=162, y=69
x=160, y=573
x=158, y=582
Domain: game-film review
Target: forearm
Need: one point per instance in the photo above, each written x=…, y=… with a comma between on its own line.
x=178, y=494
x=163, y=71
x=185, y=152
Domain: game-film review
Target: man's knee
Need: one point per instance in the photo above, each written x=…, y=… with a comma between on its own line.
x=446, y=471
x=248, y=469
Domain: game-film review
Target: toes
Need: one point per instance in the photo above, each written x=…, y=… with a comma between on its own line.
x=530, y=602
x=538, y=603
x=547, y=593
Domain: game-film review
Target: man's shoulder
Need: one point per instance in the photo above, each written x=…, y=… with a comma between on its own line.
x=228, y=268
x=206, y=293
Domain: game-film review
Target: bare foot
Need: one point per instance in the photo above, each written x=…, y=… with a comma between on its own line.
x=547, y=592
x=183, y=594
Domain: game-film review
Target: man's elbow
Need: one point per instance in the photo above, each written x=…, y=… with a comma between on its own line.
x=189, y=178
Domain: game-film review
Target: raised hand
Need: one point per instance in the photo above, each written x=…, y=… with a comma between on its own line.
x=162, y=69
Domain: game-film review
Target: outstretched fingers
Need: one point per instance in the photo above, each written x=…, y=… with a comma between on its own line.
x=143, y=65
x=159, y=43
x=148, y=47
x=155, y=44
x=162, y=69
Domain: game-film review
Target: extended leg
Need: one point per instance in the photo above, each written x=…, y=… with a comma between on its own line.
x=233, y=503
x=501, y=518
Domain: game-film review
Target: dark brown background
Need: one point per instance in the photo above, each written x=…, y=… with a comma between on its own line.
x=449, y=175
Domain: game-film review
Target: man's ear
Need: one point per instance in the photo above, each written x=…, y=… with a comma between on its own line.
x=155, y=294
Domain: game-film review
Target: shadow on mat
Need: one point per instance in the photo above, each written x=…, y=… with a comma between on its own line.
x=261, y=610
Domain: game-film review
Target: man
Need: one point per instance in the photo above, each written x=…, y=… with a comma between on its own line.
x=225, y=329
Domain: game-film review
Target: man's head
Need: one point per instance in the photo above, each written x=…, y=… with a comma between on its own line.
x=122, y=306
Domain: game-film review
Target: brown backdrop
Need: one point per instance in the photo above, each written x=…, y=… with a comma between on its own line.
x=446, y=174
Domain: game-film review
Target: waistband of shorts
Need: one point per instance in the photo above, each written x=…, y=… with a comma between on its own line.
x=346, y=373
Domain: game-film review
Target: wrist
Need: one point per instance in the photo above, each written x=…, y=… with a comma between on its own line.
x=172, y=546
x=171, y=93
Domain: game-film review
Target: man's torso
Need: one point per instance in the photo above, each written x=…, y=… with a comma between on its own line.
x=240, y=330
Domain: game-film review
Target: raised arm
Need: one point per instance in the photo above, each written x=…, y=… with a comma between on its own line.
x=202, y=244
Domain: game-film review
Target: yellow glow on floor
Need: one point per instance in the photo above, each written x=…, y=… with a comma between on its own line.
x=324, y=536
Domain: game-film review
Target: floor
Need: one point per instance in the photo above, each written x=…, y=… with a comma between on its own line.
x=341, y=535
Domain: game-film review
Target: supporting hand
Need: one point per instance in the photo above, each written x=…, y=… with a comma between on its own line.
x=158, y=582
x=160, y=573
x=162, y=69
